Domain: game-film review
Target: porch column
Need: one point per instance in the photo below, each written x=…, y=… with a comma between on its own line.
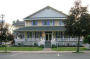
x=43, y=35
x=63, y=35
x=52, y=35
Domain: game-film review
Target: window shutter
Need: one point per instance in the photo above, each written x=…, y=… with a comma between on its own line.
x=35, y=35
x=23, y=35
x=36, y=22
x=60, y=22
x=32, y=22
x=49, y=22
x=43, y=22
x=53, y=22
x=56, y=35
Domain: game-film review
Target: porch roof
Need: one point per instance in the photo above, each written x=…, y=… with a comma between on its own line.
x=42, y=28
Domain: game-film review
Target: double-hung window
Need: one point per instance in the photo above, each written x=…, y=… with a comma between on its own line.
x=45, y=22
x=48, y=22
x=34, y=22
x=61, y=22
x=51, y=22
x=29, y=34
x=38, y=34
x=58, y=34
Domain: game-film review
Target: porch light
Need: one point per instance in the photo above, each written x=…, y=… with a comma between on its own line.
x=54, y=39
x=41, y=39
x=44, y=33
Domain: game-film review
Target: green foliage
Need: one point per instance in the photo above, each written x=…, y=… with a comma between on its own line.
x=54, y=46
x=42, y=46
x=13, y=22
x=86, y=39
x=35, y=44
x=17, y=20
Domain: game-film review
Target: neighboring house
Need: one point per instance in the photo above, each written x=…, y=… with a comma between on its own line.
x=19, y=24
x=44, y=27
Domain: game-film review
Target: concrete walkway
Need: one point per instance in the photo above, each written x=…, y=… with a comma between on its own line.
x=44, y=52
x=47, y=49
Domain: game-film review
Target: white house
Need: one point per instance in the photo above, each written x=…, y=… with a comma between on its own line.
x=44, y=27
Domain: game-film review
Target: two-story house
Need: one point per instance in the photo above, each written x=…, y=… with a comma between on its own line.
x=43, y=27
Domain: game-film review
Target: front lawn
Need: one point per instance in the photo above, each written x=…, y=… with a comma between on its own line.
x=21, y=48
x=69, y=49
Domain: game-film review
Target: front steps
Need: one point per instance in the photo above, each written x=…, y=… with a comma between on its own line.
x=47, y=44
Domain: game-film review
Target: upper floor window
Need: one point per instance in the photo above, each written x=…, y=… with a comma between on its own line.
x=34, y=22
x=48, y=22
x=45, y=22
x=51, y=22
x=61, y=22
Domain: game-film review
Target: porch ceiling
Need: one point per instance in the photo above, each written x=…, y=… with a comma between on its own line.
x=42, y=28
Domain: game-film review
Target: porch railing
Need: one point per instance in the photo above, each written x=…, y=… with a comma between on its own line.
x=68, y=39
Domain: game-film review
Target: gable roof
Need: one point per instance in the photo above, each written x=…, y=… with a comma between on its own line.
x=20, y=23
x=46, y=14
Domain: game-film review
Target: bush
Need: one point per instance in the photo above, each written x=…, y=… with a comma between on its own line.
x=20, y=44
x=86, y=39
x=68, y=44
x=35, y=44
x=42, y=46
x=54, y=46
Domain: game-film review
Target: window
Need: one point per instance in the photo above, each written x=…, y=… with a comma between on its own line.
x=34, y=22
x=48, y=22
x=51, y=22
x=58, y=34
x=45, y=22
x=29, y=34
x=61, y=22
x=37, y=34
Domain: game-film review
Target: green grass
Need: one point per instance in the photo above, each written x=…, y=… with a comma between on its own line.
x=21, y=48
x=70, y=49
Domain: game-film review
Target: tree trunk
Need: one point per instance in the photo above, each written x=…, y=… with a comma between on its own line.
x=78, y=44
x=5, y=47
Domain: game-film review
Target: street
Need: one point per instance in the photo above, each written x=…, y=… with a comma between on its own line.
x=44, y=56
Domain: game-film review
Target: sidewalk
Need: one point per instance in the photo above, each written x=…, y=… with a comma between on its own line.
x=44, y=52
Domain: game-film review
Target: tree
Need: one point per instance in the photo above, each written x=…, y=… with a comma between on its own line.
x=17, y=20
x=13, y=22
x=78, y=21
x=6, y=36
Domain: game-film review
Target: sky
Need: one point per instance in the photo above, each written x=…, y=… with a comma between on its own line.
x=19, y=9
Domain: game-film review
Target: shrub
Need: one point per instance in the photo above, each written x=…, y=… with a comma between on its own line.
x=42, y=46
x=86, y=39
x=54, y=46
x=35, y=44
x=68, y=44
x=63, y=45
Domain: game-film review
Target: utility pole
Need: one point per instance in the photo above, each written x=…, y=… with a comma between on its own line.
x=2, y=16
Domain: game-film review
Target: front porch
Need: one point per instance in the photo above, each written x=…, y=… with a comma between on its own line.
x=40, y=37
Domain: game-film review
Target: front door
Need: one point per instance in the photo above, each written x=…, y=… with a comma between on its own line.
x=48, y=37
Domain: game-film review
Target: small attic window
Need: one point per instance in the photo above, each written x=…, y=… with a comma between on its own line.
x=47, y=8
